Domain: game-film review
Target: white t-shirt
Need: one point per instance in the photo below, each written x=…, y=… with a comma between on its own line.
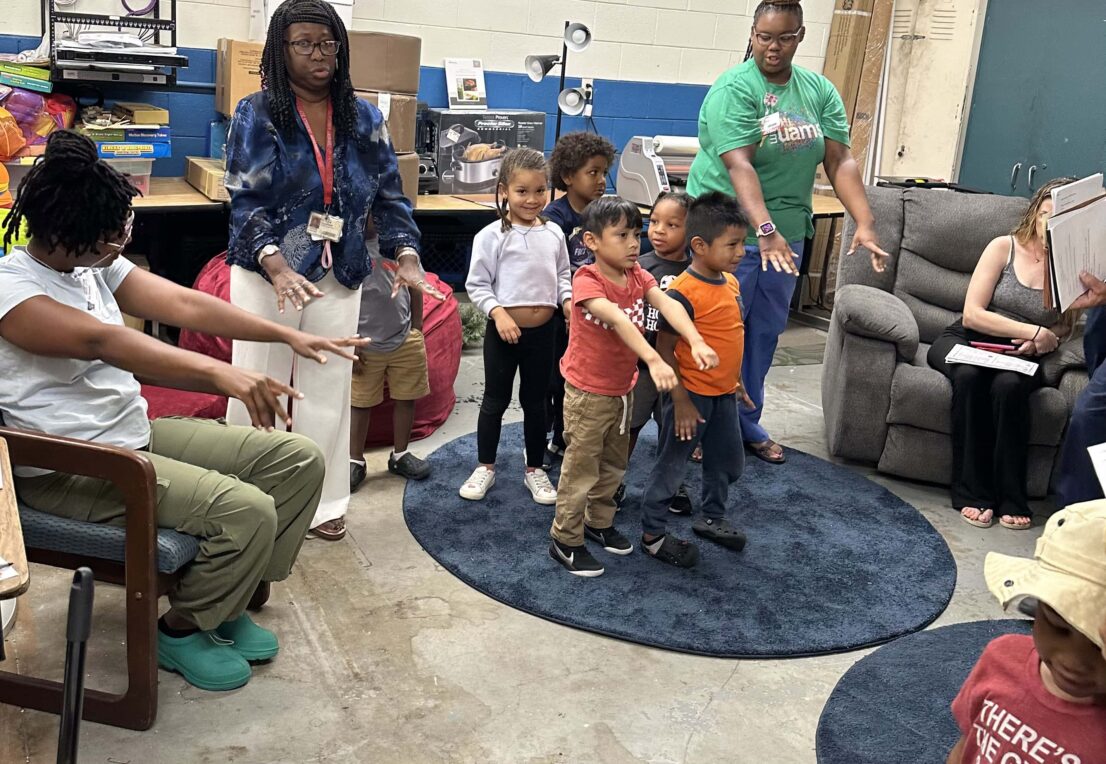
x=89, y=400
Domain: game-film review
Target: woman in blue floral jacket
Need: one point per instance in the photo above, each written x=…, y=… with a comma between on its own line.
x=312, y=175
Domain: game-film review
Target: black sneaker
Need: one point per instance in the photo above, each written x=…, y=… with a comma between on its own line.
x=619, y=495
x=674, y=551
x=553, y=456
x=576, y=559
x=720, y=532
x=681, y=502
x=408, y=466
x=611, y=540
x=356, y=475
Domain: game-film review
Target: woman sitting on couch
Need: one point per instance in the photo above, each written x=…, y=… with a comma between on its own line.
x=990, y=408
x=71, y=368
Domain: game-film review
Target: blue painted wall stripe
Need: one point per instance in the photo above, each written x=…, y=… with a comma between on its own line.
x=622, y=109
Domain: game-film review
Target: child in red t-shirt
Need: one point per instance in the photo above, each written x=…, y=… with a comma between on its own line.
x=600, y=368
x=1042, y=699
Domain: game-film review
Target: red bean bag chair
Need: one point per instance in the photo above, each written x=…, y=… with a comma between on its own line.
x=441, y=328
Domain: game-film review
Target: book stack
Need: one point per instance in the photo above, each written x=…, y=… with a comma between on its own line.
x=34, y=78
x=140, y=131
x=1076, y=240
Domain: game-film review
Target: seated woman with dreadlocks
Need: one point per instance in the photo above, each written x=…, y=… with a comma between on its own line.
x=312, y=179
x=71, y=368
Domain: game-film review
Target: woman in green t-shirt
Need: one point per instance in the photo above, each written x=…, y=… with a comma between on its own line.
x=764, y=127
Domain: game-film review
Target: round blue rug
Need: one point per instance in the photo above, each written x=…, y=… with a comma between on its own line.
x=893, y=705
x=834, y=561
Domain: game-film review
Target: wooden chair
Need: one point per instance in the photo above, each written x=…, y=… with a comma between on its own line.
x=140, y=556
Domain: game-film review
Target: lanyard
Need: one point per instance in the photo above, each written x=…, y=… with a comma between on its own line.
x=326, y=168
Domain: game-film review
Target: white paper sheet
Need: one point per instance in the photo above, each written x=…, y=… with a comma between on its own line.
x=1077, y=243
x=987, y=359
x=1073, y=194
x=1098, y=459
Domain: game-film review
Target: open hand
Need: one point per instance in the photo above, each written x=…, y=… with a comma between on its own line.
x=775, y=251
x=865, y=236
x=704, y=355
x=410, y=274
x=688, y=419
x=312, y=346
x=294, y=288
x=258, y=392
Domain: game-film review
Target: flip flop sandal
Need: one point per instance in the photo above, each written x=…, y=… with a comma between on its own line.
x=978, y=523
x=1015, y=526
x=331, y=530
x=763, y=451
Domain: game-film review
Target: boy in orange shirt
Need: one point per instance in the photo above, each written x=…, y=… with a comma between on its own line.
x=703, y=407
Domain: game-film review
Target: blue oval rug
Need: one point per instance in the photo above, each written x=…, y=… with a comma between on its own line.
x=834, y=561
x=893, y=705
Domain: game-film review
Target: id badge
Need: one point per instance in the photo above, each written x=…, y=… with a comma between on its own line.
x=322, y=226
x=770, y=123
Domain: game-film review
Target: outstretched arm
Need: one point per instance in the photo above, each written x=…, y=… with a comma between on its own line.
x=610, y=314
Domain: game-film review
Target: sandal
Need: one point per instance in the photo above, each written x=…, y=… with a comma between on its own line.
x=1016, y=526
x=763, y=451
x=977, y=522
x=331, y=530
x=720, y=532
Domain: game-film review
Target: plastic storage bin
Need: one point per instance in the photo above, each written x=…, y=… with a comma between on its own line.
x=137, y=171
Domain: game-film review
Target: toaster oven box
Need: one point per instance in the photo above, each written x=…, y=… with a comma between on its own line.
x=469, y=145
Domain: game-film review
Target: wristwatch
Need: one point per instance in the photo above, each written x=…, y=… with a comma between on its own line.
x=766, y=229
x=266, y=251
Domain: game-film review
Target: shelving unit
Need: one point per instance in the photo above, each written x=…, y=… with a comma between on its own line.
x=67, y=63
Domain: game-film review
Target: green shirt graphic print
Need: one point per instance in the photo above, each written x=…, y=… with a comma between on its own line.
x=788, y=153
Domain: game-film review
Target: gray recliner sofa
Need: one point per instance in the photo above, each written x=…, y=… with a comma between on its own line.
x=881, y=401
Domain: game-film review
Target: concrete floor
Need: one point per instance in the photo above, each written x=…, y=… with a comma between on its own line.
x=386, y=657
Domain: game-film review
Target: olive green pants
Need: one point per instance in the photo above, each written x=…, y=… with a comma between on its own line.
x=248, y=495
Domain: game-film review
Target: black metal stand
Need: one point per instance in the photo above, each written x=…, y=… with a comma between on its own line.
x=564, y=66
x=77, y=629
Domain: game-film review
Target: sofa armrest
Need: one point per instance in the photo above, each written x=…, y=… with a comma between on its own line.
x=1068, y=357
x=869, y=312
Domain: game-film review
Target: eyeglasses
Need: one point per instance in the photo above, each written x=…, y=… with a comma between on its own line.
x=307, y=48
x=786, y=39
x=127, y=228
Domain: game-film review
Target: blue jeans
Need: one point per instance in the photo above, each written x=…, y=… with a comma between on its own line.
x=767, y=299
x=1077, y=480
x=723, y=460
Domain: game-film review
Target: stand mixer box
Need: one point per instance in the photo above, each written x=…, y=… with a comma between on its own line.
x=471, y=144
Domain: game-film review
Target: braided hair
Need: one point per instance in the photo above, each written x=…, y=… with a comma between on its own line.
x=274, y=72
x=516, y=160
x=70, y=199
x=778, y=6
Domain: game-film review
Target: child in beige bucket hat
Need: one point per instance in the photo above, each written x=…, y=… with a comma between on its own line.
x=1042, y=699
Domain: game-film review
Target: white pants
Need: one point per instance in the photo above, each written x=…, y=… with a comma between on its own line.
x=323, y=415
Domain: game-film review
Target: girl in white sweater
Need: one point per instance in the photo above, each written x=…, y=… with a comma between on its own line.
x=519, y=275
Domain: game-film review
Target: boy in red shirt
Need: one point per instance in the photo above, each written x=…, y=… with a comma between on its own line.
x=702, y=408
x=1042, y=699
x=600, y=368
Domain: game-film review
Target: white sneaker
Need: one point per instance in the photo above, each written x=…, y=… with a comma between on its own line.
x=476, y=487
x=540, y=488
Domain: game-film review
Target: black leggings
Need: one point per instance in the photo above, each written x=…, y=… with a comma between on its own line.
x=532, y=356
x=555, y=398
x=990, y=429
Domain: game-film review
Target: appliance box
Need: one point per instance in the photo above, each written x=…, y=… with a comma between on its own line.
x=466, y=168
x=399, y=114
x=237, y=73
x=388, y=63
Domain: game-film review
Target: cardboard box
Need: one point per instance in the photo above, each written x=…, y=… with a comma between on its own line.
x=387, y=63
x=261, y=11
x=456, y=132
x=206, y=176
x=237, y=73
x=141, y=113
x=399, y=114
x=409, y=175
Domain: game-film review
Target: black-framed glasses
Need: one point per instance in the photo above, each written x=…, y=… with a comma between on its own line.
x=786, y=39
x=307, y=48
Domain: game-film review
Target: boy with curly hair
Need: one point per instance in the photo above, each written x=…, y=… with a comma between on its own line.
x=578, y=167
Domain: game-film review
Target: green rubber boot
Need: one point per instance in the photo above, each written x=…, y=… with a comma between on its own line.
x=203, y=661
x=248, y=639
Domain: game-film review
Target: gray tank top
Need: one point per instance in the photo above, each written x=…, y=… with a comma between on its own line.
x=1016, y=301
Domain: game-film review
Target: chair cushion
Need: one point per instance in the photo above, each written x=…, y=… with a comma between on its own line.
x=41, y=530
x=922, y=397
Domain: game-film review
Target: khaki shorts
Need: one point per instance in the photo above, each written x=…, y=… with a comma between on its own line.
x=404, y=369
